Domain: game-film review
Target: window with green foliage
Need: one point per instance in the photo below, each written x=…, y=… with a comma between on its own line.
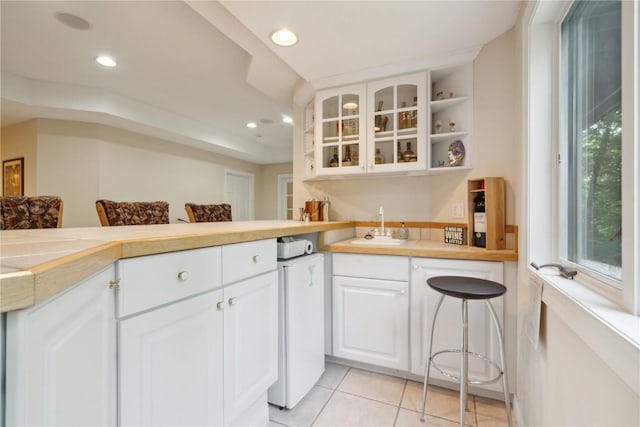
x=591, y=131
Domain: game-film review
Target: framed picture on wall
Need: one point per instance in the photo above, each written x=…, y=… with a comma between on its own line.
x=13, y=177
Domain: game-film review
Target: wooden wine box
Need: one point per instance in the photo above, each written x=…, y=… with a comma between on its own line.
x=493, y=188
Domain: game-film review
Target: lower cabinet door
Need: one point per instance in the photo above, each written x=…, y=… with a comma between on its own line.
x=171, y=364
x=250, y=342
x=61, y=358
x=448, y=335
x=371, y=321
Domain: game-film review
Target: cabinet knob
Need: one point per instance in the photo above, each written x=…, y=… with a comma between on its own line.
x=232, y=301
x=220, y=305
x=256, y=259
x=403, y=291
x=183, y=276
x=415, y=266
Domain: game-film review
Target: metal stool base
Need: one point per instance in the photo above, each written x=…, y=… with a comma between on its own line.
x=464, y=353
x=470, y=353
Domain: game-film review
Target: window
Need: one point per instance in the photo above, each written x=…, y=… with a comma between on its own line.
x=591, y=134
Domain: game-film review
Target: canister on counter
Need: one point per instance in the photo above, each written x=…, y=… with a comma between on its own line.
x=314, y=209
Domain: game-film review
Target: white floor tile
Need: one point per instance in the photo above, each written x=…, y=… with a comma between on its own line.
x=305, y=411
x=407, y=418
x=441, y=402
x=352, y=411
x=383, y=388
x=333, y=375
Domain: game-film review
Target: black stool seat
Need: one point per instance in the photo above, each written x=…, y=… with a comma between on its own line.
x=466, y=287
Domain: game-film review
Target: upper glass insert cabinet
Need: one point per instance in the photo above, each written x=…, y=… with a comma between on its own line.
x=339, y=146
x=396, y=125
x=415, y=123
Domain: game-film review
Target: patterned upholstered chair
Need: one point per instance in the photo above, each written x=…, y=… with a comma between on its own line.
x=22, y=212
x=132, y=213
x=208, y=213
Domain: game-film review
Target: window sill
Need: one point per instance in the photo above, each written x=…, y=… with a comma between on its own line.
x=612, y=333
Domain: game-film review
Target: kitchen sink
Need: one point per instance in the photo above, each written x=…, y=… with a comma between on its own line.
x=379, y=241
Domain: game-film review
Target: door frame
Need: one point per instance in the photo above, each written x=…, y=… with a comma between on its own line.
x=283, y=180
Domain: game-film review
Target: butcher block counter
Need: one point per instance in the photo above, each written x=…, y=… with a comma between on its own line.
x=37, y=264
x=424, y=249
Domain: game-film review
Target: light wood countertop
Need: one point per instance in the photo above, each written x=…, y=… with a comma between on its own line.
x=37, y=264
x=424, y=249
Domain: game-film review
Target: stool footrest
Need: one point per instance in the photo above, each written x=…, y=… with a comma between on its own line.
x=470, y=353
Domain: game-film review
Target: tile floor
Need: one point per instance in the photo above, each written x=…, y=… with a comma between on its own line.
x=347, y=396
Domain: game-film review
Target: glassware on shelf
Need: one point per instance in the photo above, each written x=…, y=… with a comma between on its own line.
x=346, y=160
x=334, y=162
x=437, y=126
x=452, y=125
x=379, y=159
x=400, y=156
x=404, y=118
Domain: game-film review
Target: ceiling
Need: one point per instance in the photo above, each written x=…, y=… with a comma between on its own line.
x=195, y=72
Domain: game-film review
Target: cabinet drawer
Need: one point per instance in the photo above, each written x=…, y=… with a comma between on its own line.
x=153, y=280
x=242, y=260
x=384, y=267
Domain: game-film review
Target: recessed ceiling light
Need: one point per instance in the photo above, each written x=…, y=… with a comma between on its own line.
x=350, y=105
x=283, y=37
x=251, y=125
x=287, y=119
x=106, y=61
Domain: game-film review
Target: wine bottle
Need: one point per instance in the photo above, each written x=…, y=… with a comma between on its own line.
x=480, y=221
x=346, y=160
x=334, y=162
x=400, y=155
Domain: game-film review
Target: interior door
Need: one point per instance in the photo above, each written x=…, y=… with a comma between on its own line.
x=239, y=193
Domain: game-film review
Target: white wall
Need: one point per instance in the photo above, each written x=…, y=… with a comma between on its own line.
x=84, y=162
x=267, y=189
x=564, y=383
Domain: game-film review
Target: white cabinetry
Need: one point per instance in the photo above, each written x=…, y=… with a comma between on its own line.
x=250, y=343
x=198, y=335
x=250, y=284
x=340, y=136
x=309, y=140
x=396, y=124
x=482, y=335
x=451, y=118
x=171, y=364
x=370, y=309
x=61, y=358
x=170, y=358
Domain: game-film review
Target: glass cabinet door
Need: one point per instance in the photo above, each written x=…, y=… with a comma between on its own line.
x=396, y=132
x=341, y=148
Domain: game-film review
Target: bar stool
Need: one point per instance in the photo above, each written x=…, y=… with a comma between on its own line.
x=467, y=288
